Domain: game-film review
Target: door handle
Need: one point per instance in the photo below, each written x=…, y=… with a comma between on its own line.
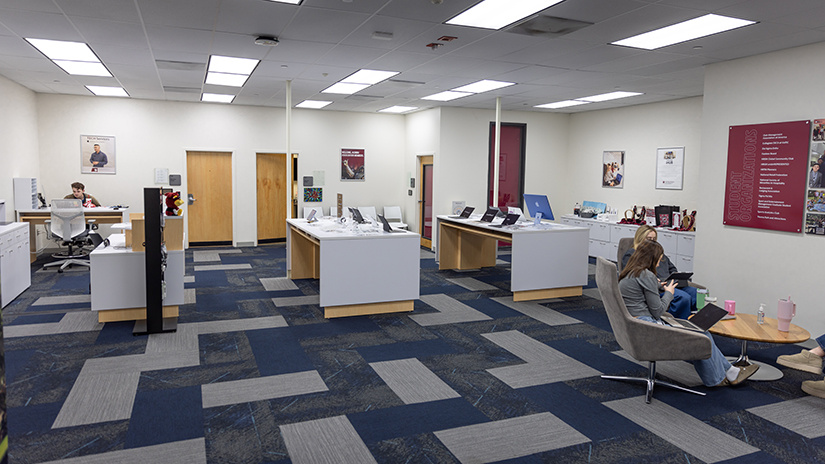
x=190, y=199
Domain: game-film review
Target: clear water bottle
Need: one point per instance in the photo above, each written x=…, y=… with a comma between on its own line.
x=760, y=314
x=576, y=209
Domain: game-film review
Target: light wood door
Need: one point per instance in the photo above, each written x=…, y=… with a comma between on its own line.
x=209, y=181
x=272, y=187
x=425, y=200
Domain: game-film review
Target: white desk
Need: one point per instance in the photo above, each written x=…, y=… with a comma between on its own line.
x=101, y=215
x=15, y=270
x=118, y=281
x=369, y=272
x=547, y=262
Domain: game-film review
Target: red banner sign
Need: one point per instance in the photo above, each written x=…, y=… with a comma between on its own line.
x=766, y=176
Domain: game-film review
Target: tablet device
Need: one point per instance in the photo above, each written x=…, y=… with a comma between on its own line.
x=510, y=219
x=707, y=316
x=681, y=278
x=311, y=217
x=357, y=215
x=464, y=214
x=489, y=215
x=387, y=227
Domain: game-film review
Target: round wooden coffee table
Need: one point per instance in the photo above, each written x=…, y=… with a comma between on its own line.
x=745, y=328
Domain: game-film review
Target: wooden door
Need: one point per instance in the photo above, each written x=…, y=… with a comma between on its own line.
x=425, y=200
x=209, y=181
x=272, y=199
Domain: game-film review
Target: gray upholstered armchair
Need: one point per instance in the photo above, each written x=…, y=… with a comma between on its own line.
x=646, y=341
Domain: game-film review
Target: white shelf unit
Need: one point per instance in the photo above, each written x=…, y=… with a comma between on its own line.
x=25, y=193
x=604, y=240
x=15, y=270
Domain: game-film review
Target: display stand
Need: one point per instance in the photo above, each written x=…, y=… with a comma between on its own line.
x=155, y=255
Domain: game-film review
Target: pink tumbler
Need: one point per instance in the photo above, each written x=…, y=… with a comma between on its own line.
x=785, y=310
x=730, y=307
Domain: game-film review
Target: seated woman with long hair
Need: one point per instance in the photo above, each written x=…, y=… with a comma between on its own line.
x=640, y=291
x=684, y=299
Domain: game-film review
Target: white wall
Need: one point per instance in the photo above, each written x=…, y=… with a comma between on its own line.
x=19, y=156
x=638, y=131
x=755, y=266
x=152, y=134
x=424, y=138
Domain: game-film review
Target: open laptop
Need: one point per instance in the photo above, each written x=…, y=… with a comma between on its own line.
x=703, y=319
x=510, y=219
x=387, y=227
x=357, y=215
x=464, y=214
x=489, y=215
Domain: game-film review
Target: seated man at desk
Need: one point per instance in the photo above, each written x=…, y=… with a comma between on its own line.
x=78, y=191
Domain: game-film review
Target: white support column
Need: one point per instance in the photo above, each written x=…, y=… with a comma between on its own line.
x=289, y=175
x=497, y=151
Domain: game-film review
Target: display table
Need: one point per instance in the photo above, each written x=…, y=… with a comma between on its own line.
x=549, y=261
x=745, y=328
x=101, y=215
x=118, y=281
x=363, y=272
x=15, y=269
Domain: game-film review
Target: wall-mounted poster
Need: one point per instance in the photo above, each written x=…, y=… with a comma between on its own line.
x=352, y=164
x=670, y=168
x=766, y=175
x=313, y=194
x=815, y=206
x=613, y=169
x=97, y=154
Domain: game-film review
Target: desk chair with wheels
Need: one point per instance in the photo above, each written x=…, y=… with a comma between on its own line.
x=646, y=341
x=68, y=226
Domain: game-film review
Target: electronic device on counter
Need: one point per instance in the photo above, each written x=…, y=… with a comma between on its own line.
x=538, y=204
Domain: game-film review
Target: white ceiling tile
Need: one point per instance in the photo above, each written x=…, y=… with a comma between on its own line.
x=254, y=17
x=179, y=39
x=322, y=25
x=357, y=57
x=97, y=31
x=202, y=14
x=39, y=25
x=116, y=10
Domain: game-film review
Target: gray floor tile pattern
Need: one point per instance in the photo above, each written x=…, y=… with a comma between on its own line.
x=680, y=371
x=75, y=321
x=592, y=293
x=65, y=299
x=412, y=381
x=509, y=438
x=188, y=279
x=426, y=254
x=805, y=416
x=472, y=284
x=543, y=364
x=200, y=256
x=274, y=284
x=237, y=325
x=189, y=296
x=185, y=338
x=98, y=398
x=537, y=311
x=223, y=267
x=30, y=330
x=142, y=362
x=261, y=388
x=451, y=311
x=682, y=430
x=177, y=452
x=298, y=300
x=331, y=440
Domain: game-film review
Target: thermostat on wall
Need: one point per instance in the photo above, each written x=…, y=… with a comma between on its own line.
x=174, y=179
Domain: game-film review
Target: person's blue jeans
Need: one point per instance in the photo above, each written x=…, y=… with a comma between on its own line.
x=712, y=370
x=821, y=340
x=684, y=300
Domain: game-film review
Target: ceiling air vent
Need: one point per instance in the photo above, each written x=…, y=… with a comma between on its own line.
x=548, y=26
x=180, y=65
x=173, y=89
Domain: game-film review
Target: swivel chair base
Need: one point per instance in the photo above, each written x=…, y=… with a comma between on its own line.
x=66, y=263
x=651, y=382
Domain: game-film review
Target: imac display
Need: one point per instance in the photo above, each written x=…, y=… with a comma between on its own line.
x=538, y=204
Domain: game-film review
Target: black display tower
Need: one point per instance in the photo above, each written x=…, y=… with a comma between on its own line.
x=155, y=255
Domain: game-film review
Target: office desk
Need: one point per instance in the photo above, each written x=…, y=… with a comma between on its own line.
x=547, y=262
x=101, y=215
x=118, y=281
x=360, y=273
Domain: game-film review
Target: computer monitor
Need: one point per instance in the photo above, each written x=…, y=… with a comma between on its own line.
x=538, y=204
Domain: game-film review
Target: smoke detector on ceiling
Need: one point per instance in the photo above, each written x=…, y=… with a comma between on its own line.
x=268, y=41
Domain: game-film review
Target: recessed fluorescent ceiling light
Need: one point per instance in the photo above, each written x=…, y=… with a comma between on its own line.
x=495, y=14
x=446, y=96
x=231, y=80
x=104, y=91
x=217, y=98
x=345, y=89
x=562, y=104
x=75, y=58
x=483, y=86
x=82, y=68
x=231, y=65
x=684, y=31
x=398, y=109
x=291, y=2
x=368, y=76
x=314, y=104
x=608, y=96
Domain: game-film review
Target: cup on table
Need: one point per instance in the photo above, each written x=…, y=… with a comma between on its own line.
x=730, y=307
x=701, y=295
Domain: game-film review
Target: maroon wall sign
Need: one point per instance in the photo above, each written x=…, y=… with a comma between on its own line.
x=766, y=176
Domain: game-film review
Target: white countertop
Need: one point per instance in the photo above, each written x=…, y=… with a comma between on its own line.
x=331, y=229
x=517, y=228
x=99, y=209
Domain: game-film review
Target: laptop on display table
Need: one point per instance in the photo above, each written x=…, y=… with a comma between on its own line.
x=464, y=214
x=510, y=219
x=387, y=227
x=357, y=215
x=489, y=215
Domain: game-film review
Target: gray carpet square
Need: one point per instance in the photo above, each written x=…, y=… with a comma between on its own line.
x=312, y=300
x=805, y=416
x=451, y=311
x=237, y=325
x=30, y=330
x=682, y=430
x=185, y=338
x=412, y=381
x=276, y=284
x=325, y=441
x=509, y=438
x=64, y=299
x=81, y=321
x=143, y=362
x=537, y=311
x=205, y=256
x=98, y=398
x=188, y=279
x=680, y=371
x=472, y=284
x=177, y=452
x=261, y=388
x=189, y=296
x=223, y=267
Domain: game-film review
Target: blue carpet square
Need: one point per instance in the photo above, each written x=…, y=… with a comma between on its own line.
x=165, y=416
x=588, y=416
x=278, y=351
x=72, y=282
x=404, y=350
x=428, y=263
x=115, y=332
x=492, y=308
x=446, y=288
x=36, y=418
x=16, y=361
x=223, y=300
x=414, y=419
x=58, y=306
x=760, y=456
x=718, y=401
x=595, y=317
x=206, y=279
x=594, y=356
x=336, y=326
x=36, y=319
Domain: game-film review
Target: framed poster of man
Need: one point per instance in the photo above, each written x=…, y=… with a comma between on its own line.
x=97, y=154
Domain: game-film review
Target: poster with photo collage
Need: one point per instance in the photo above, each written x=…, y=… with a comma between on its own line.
x=815, y=201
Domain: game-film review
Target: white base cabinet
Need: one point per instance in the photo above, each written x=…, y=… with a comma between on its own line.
x=15, y=270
